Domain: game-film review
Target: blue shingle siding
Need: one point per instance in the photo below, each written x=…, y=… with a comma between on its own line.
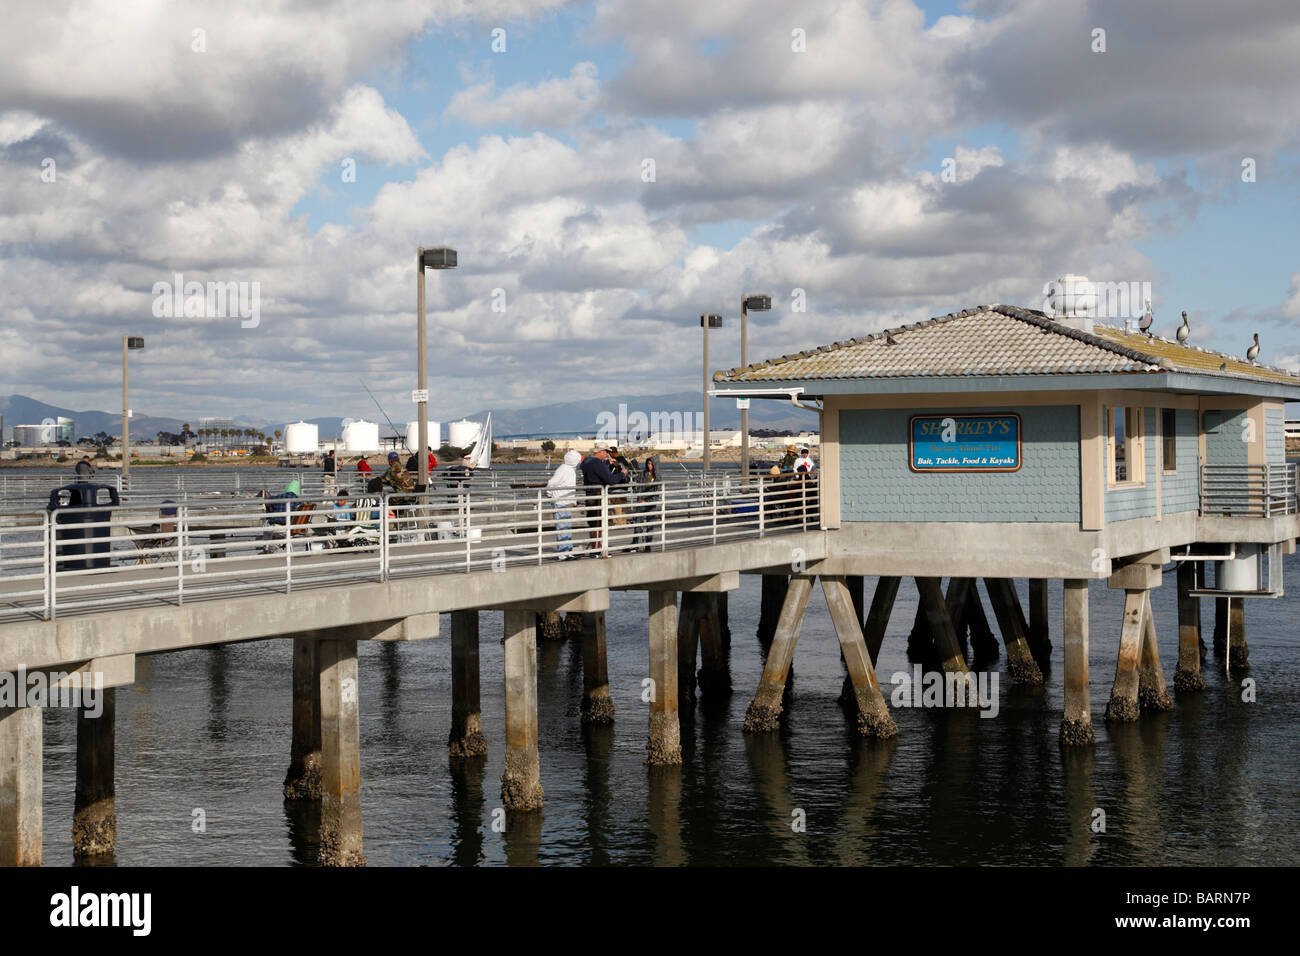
x=1180, y=491
x=1223, y=431
x=876, y=483
x=1275, y=436
x=1139, y=502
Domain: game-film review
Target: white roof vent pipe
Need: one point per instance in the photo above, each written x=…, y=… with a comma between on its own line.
x=1072, y=300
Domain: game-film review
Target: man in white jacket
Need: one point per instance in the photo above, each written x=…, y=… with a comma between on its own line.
x=561, y=489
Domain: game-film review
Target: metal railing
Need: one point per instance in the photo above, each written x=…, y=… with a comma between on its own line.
x=86, y=560
x=1248, y=491
x=20, y=488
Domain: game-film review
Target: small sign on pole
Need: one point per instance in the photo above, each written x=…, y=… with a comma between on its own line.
x=742, y=403
x=419, y=395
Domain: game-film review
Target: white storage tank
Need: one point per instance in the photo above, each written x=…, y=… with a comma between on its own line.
x=463, y=433
x=301, y=438
x=413, y=435
x=360, y=438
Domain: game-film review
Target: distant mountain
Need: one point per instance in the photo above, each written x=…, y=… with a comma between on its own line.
x=582, y=416
x=585, y=416
x=22, y=410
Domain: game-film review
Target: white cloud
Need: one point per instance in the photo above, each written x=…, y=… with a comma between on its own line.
x=552, y=104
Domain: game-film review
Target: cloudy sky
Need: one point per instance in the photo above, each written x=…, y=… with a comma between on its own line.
x=609, y=170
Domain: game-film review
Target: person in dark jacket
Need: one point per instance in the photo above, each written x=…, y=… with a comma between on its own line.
x=596, y=471
x=85, y=470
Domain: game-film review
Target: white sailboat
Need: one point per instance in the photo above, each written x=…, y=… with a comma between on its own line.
x=482, y=454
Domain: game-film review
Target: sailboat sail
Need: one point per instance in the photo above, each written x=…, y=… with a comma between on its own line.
x=483, y=448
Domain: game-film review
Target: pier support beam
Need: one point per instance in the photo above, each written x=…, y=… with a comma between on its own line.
x=1123, y=704
x=765, y=710
x=1220, y=625
x=1006, y=607
x=1076, y=726
x=951, y=659
x=874, y=719
x=303, y=781
x=20, y=785
x=340, y=840
x=664, y=746
x=466, y=737
x=1187, y=673
x=1152, y=693
x=597, y=706
x=94, y=815
x=1039, y=634
x=521, y=783
x=550, y=626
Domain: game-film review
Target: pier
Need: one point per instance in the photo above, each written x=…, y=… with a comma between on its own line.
x=1080, y=454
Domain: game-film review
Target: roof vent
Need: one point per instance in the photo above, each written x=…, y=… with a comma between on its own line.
x=1072, y=300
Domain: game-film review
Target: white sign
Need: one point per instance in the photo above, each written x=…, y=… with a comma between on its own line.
x=742, y=403
x=419, y=395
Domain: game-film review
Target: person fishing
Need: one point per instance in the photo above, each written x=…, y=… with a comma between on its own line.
x=650, y=495
x=596, y=472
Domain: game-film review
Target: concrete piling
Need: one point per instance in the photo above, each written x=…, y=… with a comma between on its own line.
x=1006, y=607
x=94, y=815
x=341, y=834
x=764, y=711
x=664, y=746
x=521, y=784
x=1076, y=726
x=1187, y=673
x=466, y=736
x=597, y=706
x=769, y=609
x=573, y=624
x=1238, y=651
x=688, y=632
x=20, y=786
x=1152, y=693
x=951, y=659
x=1123, y=706
x=715, y=673
x=303, y=781
x=1039, y=633
x=983, y=645
x=550, y=626
x=882, y=606
x=874, y=719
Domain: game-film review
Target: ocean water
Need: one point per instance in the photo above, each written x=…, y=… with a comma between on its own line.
x=1211, y=783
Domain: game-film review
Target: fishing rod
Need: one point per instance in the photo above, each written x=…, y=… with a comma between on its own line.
x=380, y=407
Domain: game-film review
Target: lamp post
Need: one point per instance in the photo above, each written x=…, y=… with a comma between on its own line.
x=439, y=257
x=748, y=303
x=128, y=342
x=707, y=322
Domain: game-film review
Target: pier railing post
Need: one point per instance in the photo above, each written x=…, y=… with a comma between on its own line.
x=762, y=505
x=604, y=521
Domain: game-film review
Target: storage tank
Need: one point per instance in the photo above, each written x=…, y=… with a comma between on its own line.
x=462, y=434
x=361, y=438
x=413, y=435
x=301, y=438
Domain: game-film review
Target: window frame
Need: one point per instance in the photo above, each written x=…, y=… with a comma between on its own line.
x=1169, y=441
x=1134, y=447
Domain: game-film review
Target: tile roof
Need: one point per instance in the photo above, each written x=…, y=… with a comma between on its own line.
x=999, y=340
